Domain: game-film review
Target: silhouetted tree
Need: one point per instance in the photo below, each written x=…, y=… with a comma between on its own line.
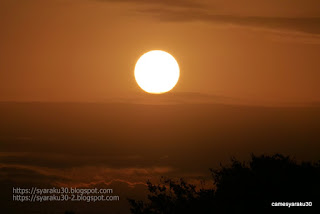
x=173, y=197
x=240, y=187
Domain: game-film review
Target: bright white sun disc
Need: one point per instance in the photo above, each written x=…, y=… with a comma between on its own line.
x=157, y=72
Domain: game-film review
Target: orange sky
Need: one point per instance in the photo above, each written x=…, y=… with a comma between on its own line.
x=229, y=51
x=85, y=50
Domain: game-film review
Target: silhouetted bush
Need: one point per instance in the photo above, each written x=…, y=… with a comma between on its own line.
x=240, y=187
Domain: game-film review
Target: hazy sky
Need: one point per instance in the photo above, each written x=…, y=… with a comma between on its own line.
x=85, y=50
x=229, y=51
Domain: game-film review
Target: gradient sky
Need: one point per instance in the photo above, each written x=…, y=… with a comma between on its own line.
x=229, y=51
x=85, y=50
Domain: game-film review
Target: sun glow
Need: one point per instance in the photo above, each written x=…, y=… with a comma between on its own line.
x=157, y=72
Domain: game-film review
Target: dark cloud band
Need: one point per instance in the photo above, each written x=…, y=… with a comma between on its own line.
x=188, y=11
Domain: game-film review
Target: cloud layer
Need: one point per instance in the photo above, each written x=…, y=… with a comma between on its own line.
x=287, y=16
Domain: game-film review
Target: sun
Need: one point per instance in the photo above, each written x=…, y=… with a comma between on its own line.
x=157, y=72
